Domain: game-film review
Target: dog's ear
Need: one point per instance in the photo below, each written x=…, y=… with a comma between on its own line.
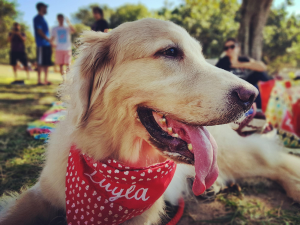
x=95, y=65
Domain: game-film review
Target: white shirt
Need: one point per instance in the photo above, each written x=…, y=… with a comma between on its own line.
x=62, y=37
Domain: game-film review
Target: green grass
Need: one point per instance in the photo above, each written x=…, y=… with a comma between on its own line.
x=255, y=211
x=22, y=157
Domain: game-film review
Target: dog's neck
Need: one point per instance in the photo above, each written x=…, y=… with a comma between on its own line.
x=136, y=152
x=148, y=155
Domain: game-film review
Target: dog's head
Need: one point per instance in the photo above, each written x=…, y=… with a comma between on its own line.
x=144, y=92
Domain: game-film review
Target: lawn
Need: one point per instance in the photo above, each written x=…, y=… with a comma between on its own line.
x=21, y=160
x=21, y=157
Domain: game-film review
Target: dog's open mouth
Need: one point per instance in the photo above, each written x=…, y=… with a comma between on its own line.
x=185, y=143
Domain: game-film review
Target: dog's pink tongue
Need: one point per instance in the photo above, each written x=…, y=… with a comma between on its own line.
x=204, y=149
x=205, y=155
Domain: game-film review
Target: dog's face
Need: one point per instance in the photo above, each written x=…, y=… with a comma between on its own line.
x=147, y=93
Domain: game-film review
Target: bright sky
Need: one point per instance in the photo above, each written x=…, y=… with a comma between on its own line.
x=67, y=7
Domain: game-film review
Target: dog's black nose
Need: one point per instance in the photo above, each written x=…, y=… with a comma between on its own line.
x=245, y=96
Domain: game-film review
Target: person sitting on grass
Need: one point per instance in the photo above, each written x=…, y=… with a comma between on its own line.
x=17, y=51
x=244, y=67
x=63, y=47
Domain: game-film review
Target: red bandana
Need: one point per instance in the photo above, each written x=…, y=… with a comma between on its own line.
x=109, y=192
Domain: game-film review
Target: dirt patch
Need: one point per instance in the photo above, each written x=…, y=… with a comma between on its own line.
x=261, y=204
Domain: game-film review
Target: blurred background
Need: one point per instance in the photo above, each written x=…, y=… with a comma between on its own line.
x=209, y=21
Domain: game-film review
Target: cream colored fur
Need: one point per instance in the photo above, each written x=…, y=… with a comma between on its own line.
x=258, y=155
x=113, y=74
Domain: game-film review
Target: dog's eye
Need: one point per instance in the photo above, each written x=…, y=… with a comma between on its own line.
x=172, y=52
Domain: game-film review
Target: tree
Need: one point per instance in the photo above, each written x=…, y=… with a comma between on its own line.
x=281, y=40
x=85, y=14
x=8, y=14
x=254, y=16
x=79, y=28
x=124, y=13
x=210, y=22
x=127, y=13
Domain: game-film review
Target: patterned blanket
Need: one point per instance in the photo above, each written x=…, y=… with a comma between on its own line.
x=40, y=129
x=282, y=109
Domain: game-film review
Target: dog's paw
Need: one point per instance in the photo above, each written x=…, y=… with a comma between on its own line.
x=209, y=194
x=292, y=188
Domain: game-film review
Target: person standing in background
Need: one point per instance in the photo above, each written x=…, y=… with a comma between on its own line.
x=43, y=42
x=63, y=47
x=100, y=24
x=17, y=51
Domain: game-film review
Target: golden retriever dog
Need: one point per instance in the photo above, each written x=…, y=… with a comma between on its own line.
x=139, y=95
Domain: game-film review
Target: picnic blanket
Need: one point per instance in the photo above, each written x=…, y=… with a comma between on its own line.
x=40, y=129
x=281, y=103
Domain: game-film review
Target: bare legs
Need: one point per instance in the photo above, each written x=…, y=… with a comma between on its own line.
x=15, y=71
x=61, y=69
x=46, y=74
x=27, y=72
x=39, y=74
x=15, y=68
x=62, y=72
x=40, y=68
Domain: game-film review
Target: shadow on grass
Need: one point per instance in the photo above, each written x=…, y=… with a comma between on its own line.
x=28, y=107
x=21, y=159
x=21, y=156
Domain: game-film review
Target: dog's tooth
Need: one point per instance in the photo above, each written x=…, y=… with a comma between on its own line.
x=161, y=115
x=170, y=130
x=163, y=121
x=138, y=119
x=190, y=147
x=175, y=135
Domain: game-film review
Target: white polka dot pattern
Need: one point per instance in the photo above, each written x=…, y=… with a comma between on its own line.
x=109, y=192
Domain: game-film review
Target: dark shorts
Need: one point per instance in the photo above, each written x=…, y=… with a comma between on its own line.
x=18, y=56
x=44, y=56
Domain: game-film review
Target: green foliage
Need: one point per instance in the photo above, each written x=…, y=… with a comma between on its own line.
x=79, y=27
x=85, y=14
x=8, y=15
x=210, y=22
x=127, y=13
x=282, y=40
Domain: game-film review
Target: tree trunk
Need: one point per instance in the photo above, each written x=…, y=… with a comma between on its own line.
x=254, y=16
